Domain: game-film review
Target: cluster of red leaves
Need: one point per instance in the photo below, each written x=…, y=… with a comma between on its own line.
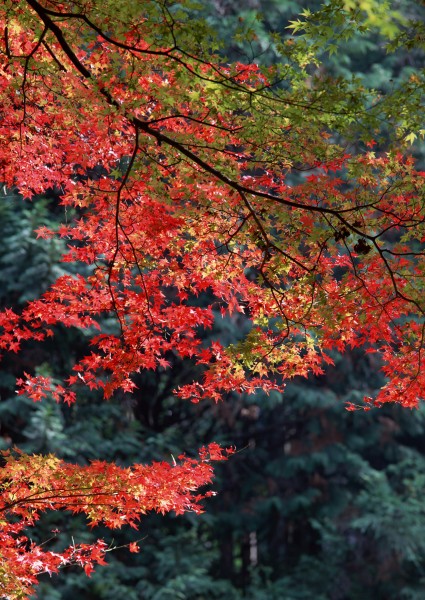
x=104, y=492
x=174, y=213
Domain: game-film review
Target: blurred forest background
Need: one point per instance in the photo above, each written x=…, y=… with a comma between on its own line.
x=318, y=503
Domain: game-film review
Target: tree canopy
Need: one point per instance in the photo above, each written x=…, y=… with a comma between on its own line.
x=192, y=189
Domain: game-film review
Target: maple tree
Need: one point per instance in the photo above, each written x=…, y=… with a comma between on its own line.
x=257, y=189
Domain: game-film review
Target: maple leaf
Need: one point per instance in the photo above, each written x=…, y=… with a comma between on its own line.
x=163, y=363
x=88, y=569
x=44, y=233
